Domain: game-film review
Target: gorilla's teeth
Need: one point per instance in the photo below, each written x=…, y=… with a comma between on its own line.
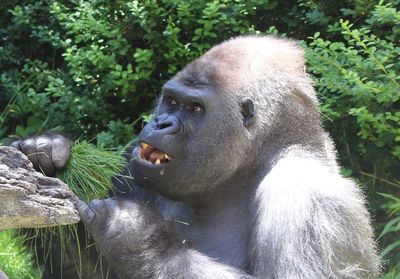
x=144, y=145
x=158, y=162
x=166, y=156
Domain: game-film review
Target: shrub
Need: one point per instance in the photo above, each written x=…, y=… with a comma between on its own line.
x=358, y=79
x=87, y=67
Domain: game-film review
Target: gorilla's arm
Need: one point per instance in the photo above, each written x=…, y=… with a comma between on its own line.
x=310, y=222
x=139, y=243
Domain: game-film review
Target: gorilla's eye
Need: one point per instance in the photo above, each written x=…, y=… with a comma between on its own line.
x=196, y=108
x=172, y=101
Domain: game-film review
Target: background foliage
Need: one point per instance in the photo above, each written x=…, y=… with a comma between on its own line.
x=92, y=68
x=15, y=259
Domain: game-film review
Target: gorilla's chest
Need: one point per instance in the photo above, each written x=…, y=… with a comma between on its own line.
x=226, y=242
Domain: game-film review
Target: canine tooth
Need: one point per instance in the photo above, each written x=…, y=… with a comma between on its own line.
x=158, y=162
x=166, y=156
x=144, y=145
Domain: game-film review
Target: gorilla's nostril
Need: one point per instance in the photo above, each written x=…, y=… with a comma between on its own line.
x=166, y=124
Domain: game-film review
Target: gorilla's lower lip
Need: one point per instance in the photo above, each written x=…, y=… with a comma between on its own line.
x=152, y=155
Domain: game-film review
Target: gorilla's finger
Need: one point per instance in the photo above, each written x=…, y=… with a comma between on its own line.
x=16, y=144
x=44, y=150
x=85, y=211
x=100, y=207
x=28, y=147
x=61, y=151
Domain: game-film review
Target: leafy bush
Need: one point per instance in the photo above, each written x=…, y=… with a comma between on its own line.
x=392, y=228
x=87, y=67
x=359, y=83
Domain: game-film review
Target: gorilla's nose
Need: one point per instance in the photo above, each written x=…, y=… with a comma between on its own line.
x=167, y=124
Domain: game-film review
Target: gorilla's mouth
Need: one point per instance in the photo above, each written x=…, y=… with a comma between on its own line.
x=152, y=155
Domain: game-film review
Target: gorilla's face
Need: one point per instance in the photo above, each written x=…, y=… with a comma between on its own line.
x=197, y=138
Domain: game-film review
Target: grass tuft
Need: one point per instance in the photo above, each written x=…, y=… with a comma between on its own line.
x=89, y=171
x=15, y=259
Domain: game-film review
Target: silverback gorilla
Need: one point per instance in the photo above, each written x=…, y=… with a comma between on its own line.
x=233, y=178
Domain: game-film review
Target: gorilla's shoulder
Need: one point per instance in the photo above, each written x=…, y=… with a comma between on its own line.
x=308, y=176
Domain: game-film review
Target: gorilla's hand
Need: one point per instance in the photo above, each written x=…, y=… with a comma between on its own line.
x=48, y=153
x=127, y=233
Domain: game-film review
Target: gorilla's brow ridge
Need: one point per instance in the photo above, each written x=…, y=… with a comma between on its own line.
x=192, y=80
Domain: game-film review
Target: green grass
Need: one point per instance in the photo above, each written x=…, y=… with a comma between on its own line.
x=89, y=171
x=15, y=259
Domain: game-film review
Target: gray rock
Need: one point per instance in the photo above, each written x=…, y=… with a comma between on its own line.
x=30, y=200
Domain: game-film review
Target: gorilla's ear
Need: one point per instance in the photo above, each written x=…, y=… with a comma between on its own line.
x=247, y=110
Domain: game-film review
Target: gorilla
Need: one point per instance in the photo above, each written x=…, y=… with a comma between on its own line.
x=234, y=177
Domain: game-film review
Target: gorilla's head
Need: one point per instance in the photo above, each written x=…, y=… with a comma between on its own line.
x=222, y=117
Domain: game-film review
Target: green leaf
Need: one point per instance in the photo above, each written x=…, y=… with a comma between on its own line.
x=390, y=226
x=390, y=248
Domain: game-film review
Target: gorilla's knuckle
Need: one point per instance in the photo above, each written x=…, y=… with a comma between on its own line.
x=29, y=145
x=16, y=144
x=48, y=152
x=97, y=204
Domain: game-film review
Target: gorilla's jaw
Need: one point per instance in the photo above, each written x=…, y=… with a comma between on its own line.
x=178, y=175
